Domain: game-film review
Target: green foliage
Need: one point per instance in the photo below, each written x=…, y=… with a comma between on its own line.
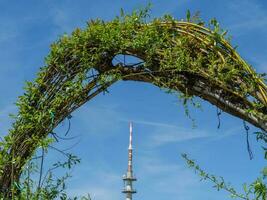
x=262, y=136
x=52, y=187
x=254, y=191
x=183, y=56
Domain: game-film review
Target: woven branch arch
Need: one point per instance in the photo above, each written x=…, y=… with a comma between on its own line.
x=179, y=56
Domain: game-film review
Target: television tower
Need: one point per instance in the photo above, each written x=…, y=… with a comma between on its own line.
x=129, y=178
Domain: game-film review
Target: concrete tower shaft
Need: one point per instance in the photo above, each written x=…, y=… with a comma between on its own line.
x=128, y=178
x=130, y=150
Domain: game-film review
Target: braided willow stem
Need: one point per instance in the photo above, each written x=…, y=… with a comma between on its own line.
x=180, y=56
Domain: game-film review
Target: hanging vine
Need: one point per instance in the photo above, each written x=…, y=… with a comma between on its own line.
x=184, y=56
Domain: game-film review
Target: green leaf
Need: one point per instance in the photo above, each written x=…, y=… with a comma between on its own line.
x=188, y=15
x=122, y=12
x=264, y=172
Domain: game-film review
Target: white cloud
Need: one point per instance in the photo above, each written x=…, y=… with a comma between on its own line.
x=62, y=20
x=9, y=29
x=228, y=133
x=13, y=26
x=99, y=184
x=150, y=123
x=154, y=174
x=165, y=177
x=104, y=193
x=152, y=164
x=96, y=192
x=249, y=18
x=250, y=15
x=170, y=135
x=7, y=35
x=99, y=120
x=164, y=133
x=65, y=16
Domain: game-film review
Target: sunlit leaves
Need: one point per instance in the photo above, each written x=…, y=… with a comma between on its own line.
x=255, y=191
x=178, y=55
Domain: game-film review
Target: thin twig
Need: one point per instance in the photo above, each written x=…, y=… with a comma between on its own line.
x=41, y=170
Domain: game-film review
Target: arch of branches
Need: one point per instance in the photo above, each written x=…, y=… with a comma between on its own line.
x=180, y=56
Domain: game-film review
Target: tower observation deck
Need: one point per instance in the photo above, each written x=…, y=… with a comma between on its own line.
x=129, y=178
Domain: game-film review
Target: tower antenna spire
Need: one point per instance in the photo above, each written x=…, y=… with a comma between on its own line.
x=131, y=136
x=128, y=178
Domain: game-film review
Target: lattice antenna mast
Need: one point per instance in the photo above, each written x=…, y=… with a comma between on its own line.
x=129, y=178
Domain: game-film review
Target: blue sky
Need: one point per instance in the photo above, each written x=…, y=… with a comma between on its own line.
x=161, y=130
